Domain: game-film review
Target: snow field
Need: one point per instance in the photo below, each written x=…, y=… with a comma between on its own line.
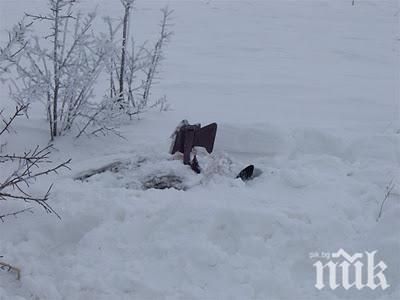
x=305, y=90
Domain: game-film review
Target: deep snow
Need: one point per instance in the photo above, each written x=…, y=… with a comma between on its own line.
x=306, y=90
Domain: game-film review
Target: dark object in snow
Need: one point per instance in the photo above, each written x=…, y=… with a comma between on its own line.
x=195, y=165
x=246, y=173
x=164, y=182
x=113, y=167
x=187, y=136
x=9, y=268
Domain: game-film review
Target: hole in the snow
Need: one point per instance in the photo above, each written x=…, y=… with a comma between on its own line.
x=164, y=182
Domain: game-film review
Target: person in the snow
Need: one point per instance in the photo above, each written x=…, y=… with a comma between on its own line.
x=186, y=137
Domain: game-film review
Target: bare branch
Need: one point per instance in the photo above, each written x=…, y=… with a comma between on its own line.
x=15, y=213
x=389, y=189
x=15, y=186
x=156, y=55
x=17, y=113
x=39, y=17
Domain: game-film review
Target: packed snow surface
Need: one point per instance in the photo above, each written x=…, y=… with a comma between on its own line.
x=305, y=90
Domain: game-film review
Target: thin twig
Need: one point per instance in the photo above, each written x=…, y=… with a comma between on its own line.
x=15, y=213
x=389, y=189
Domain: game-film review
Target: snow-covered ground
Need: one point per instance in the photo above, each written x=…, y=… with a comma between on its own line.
x=307, y=90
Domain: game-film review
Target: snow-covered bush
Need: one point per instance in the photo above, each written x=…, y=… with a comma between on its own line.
x=61, y=68
x=133, y=69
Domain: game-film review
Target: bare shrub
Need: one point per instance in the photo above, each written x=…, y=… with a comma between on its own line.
x=136, y=66
x=24, y=169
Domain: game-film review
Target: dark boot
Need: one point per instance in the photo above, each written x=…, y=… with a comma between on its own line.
x=195, y=165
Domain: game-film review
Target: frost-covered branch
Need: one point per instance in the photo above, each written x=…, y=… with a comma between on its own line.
x=157, y=54
x=15, y=45
x=127, y=11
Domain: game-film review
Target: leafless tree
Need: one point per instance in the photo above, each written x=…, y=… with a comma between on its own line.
x=61, y=69
x=136, y=66
x=62, y=76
